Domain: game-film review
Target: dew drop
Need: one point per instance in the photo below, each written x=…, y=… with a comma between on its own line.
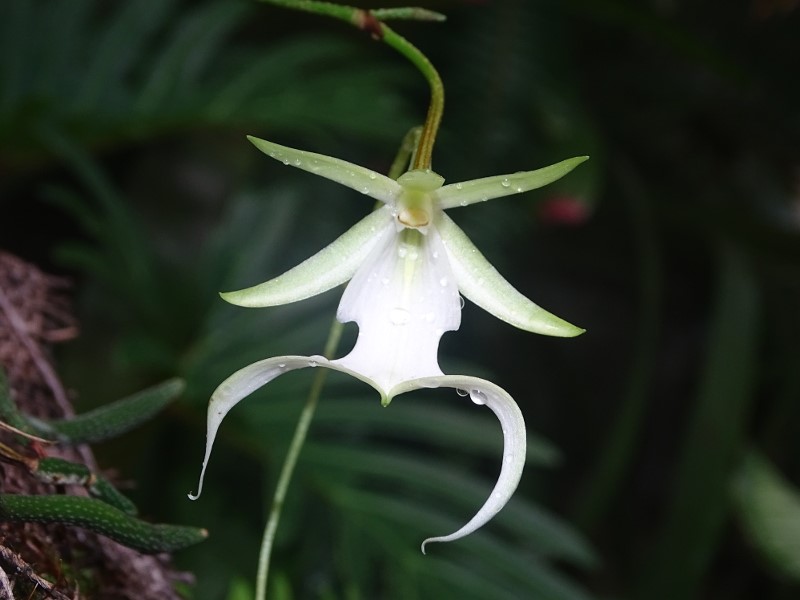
x=414, y=255
x=478, y=397
x=435, y=254
x=505, y=182
x=272, y=153
x=399, y=316
x=402, y=251
x=443, y=282
x=297, y=162
x=372, y=176
x=519, y=189
x=282, y=366
x=462, y=203
x=459, y=186
x=285, y=161
x=313, y=363
x=365, y=190
x=461, y=392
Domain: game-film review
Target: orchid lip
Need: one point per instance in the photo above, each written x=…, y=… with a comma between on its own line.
x=249, y=379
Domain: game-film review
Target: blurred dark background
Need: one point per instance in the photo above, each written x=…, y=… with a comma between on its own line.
x=665, y=441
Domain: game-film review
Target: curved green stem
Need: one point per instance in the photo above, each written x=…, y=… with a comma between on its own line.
x=370, y=21
x=424, y=155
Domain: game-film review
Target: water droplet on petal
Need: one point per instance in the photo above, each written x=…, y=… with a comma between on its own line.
x=414, y=255
x=285, y=161
x=313, y=363
x=282, y=366
x=372, y=176
x=462, y=203
x=505, y=182
x=402, y=251
x=478, y=397
x=461, y=392
x=459, y=186
x=443, y=282
x=399, y=316
x=297, y=162
x=365, y=190
x=435, y=254
x=518, y=189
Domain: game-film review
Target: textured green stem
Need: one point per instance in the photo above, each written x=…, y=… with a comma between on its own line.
x=370, y=21
x=62, y=472
x=101, y=518
x=112, y=419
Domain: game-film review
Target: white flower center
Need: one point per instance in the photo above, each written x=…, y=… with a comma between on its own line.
x=402, y=308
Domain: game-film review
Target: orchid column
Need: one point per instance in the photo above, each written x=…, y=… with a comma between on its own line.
x=406, y=263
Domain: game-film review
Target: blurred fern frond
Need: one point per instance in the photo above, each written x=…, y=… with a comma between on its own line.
x=110, y=75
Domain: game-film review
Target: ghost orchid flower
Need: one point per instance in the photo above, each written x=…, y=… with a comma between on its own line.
x=406, y=262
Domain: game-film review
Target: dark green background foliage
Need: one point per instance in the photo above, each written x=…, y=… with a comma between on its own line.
x=124, y=166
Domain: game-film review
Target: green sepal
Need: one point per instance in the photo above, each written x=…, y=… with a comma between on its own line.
x=497, y=186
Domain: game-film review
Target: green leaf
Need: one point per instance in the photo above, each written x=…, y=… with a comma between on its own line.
x=714, y=438
x=768, y=507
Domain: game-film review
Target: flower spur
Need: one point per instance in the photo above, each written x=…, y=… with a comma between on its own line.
x=406, y=262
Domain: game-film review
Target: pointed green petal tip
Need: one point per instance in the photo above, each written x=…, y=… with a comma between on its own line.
x=355, y=177
x=480, y=282
x=488, y=188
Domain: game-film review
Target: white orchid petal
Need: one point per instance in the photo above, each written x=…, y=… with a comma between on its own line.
x=353, y=176
x=237, y=387
x=514, y=442
x=249, y=379
x=331, y=266
x=488, y=188
x=480, y=282
x=404, y=297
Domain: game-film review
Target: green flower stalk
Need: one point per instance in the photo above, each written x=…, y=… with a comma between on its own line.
x=406, y=263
